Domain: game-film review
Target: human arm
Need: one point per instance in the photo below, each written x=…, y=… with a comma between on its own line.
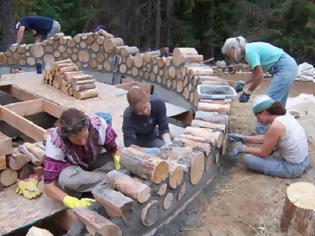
x=20, y=34
x=236, y=137
x=270, y=140
x=53, y=191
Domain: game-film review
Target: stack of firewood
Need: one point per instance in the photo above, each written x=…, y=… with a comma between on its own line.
x=23, y=161
x=66, y=76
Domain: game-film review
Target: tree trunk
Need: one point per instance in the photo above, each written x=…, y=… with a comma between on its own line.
x=158, y=24
x=7, y=16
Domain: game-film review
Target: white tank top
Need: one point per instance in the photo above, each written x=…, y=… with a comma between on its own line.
x=292, y=144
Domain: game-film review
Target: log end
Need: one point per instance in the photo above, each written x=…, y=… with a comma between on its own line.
x=160, y=173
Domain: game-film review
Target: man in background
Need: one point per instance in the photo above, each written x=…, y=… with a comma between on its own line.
x=41, y=26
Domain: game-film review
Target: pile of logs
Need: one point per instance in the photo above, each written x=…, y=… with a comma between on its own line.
x=66, y=76
x=25, y=160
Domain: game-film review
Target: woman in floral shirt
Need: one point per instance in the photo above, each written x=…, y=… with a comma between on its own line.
x=74, y=161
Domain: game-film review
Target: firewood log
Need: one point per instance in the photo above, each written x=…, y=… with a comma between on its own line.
x=129, y=186
x=144, y=165
x=213, y=137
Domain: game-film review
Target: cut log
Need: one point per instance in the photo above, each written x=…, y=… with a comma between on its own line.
x=82, y=87
x=179, y=55
x=129, y=186
x=123, y=68
x=17, y=160
x=84, y=81
x=176, y=174
x=111, y=43
x=202, y=106
x=144, y=165
x=213, y=117
x=35, y=150
x=67, y=75
x=97, y=224
x=162, y=189
x=205, y=124
x=299, y=209
x=76, y=77
x=105, y=34
x=125, y=51
x=213, y=137
x=3, y=162
x=192, y=161
x=138, y=60
x=150, y=213
x=181, y=191
x=84, y=56
x=28, y=170
x=168, y=200
x=85, y=94
x=8, y=177
x=195, y=145
x=115, y=203
x=37, y=50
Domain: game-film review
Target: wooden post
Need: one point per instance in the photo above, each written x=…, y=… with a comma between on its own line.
x=129, y=186
x=299, y=209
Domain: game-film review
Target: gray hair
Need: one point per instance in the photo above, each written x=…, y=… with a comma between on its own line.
x=238, y=43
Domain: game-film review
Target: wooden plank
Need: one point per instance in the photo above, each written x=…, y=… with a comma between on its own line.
x=5, y=144
x=22, y=124
x=21, y=94
x=53, y=109
x=26, y=108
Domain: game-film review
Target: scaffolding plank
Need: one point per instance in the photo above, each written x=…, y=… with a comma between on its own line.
x=52, y=108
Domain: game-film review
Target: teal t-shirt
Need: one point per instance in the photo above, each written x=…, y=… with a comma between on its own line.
x=262, y=54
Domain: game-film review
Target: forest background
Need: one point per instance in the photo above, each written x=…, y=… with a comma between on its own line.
x=152, y=24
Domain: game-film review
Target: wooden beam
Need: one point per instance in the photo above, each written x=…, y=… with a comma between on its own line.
x=5, y=144
x=26, y=108
x=21, y=94
x=23, y=125
x=53, y=109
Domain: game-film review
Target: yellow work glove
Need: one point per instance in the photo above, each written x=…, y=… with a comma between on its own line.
x=28, y=188
x=72, y=202
x=117, y=161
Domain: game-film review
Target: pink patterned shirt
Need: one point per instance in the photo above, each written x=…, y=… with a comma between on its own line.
x=61, y=152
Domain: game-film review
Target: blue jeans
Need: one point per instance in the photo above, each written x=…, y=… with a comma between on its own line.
x=276, y=166
x=283, y=72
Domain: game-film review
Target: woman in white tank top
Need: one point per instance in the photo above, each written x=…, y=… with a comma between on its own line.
x=285, y=135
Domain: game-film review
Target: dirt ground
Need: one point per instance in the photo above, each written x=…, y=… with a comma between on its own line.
x=244, y=202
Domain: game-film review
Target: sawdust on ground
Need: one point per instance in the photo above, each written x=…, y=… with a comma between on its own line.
x=244, y=202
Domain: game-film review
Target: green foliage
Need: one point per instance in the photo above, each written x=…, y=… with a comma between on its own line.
x=204, y=24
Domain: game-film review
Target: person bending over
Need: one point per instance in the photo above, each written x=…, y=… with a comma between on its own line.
x=282, y=150
x=74, y=159
x=145, y=122
x=41, y=26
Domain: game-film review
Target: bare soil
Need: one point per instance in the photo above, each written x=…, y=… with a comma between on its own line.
x=244, y=202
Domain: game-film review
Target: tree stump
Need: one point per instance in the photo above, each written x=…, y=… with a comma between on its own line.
x=299, y=209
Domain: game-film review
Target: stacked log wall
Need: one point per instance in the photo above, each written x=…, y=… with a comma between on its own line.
x=101, y=51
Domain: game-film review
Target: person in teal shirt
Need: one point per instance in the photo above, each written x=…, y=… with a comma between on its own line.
x=261, y=56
